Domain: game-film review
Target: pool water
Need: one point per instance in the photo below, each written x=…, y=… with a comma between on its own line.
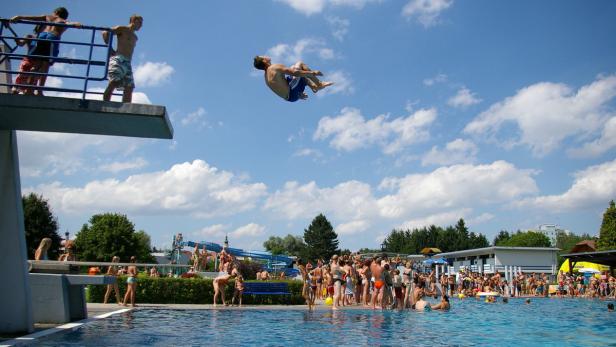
x=544, y=322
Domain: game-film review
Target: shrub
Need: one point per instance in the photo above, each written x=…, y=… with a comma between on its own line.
x=164, y=290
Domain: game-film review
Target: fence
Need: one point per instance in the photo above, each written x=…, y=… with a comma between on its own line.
x=95, y=69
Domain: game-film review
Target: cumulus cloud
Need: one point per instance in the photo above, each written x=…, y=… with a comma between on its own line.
x=350, y=200
x=291, y=53
x=593, y=186
x=453, y=186
x=426, y=12
x=547, y=113
x=339, y=26
x=458, y=151
x=463, y=98
x=49, y=154
x=193, y=188
x=601, y=145
x=153, y=74
x=248, y=230
x=352, y=227
x=310, y=7
x=443, y=218
x=350, y=131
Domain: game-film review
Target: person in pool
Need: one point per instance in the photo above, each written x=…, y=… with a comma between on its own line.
x=421, y=304
x=443, y=305
x=131, y=283
x=289, y=82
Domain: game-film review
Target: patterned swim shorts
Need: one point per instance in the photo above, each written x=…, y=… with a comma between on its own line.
x=120, y=70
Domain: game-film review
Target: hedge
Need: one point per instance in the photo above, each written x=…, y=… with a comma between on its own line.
x=164, y=290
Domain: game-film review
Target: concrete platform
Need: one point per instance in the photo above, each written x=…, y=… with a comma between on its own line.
x=35, y=113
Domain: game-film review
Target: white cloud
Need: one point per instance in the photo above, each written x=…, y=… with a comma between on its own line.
x=350, y=131
x=548, y=113
x=340, y=27
x=343, y=84
x=440, y=219
x=463, y=98
x=458, y=151
x=193, y=188
x=49, y=154
x=350, y=200
x=216, y=231
x=195, y=118
x=152, y=74
x=248, y=230
x=427, y=12
x=604, y=143
x=308, y=152
x=116, y=167
x=440, y=78
x=594, y=186
x=290, y=54
x=450, y=187
x=352, y=227
x=310, y=7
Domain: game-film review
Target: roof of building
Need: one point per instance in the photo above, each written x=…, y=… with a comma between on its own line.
x=488, y=250
x=601, y=257
x=584, y=246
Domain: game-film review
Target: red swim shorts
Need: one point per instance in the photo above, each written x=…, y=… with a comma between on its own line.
x=378, y=284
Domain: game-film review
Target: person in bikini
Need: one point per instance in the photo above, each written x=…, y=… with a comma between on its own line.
x=113, y=271
x=120, y=71
x=318, y=277
x=131, y=283
x=289, y=82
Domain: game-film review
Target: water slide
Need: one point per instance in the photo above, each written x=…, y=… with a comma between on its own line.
x=273, y=262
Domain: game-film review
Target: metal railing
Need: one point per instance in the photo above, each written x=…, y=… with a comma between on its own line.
x=9, y=37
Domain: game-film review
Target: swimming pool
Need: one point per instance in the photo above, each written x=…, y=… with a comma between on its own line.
x=570, y=322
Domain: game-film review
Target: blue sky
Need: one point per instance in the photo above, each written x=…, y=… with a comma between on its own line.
x=501, y=113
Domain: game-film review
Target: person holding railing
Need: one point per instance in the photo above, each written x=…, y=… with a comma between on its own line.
x=120, y=71
x=48, y=46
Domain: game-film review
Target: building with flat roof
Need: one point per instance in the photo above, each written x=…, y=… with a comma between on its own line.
x=502, y=259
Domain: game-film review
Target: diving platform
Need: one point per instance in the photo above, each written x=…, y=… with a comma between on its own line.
x=66, y=115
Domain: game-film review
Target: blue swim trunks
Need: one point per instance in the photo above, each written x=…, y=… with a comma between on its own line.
x=46, y=48
x=296, y=87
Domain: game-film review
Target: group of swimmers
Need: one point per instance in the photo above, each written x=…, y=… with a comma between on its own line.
x=375, y=282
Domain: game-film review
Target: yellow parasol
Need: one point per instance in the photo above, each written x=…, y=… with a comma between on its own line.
x=583, y=264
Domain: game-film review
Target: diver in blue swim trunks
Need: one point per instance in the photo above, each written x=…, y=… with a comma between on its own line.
x=289, y=82
x=120, y=71
x=49, y=46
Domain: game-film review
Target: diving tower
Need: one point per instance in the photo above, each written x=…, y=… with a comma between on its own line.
x=50, y=114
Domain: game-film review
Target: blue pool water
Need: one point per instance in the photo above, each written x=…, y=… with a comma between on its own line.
x=545, y=322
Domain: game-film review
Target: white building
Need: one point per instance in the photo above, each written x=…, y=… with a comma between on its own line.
x=502, y=259
x=551, y=230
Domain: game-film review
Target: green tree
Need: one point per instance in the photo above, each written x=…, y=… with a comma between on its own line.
x=40, y=223
x=503, y=236
x=527, y=239
x=321, y=239
x=607, y=233
x=112, y=234
x=290, y=245
x=566, y=241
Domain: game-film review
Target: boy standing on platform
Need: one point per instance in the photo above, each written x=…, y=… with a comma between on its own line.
x=120, y=71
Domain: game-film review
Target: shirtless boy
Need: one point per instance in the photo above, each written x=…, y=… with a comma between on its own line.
x=289, y=82
x=120, y=70
x=49, y=48
x=377, y=278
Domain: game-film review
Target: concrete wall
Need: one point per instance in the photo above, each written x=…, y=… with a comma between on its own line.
x=15, y=304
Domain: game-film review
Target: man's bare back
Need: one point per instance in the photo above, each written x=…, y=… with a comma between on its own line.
x=276, y=81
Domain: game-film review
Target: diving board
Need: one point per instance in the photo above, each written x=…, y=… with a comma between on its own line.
x=67, y=115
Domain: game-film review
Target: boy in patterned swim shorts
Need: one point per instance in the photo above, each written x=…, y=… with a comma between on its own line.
x=120, y=72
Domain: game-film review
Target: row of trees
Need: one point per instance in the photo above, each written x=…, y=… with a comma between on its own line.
x=106, y=234
x=449, y=239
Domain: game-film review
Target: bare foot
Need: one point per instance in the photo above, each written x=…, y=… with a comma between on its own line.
x=303, y=96
x=322, y=86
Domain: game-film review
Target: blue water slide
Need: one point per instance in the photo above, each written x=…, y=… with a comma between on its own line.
x=261, y=255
